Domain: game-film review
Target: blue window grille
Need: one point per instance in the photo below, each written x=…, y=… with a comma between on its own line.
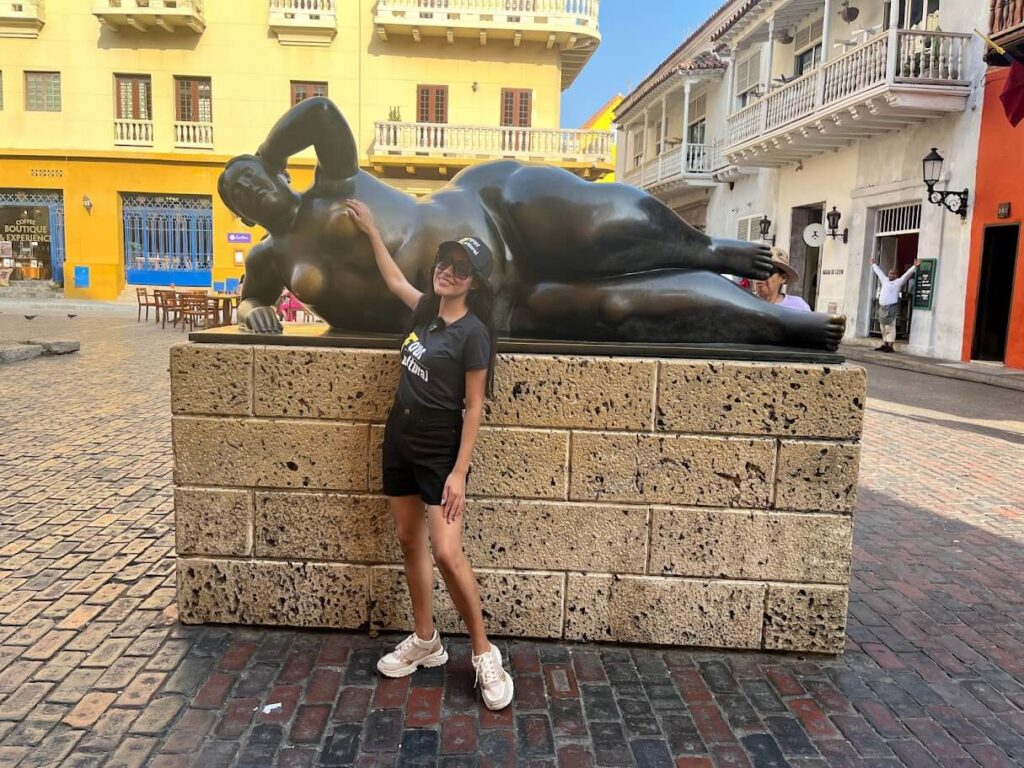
x=168, y=239
x=54, y=200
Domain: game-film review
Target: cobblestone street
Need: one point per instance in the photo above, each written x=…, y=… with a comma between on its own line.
x=96, y=671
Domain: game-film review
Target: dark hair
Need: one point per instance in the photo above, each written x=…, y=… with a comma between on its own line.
x=480, y=302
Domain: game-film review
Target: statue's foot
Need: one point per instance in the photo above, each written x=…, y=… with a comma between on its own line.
x=744, y=259
x=816, y=330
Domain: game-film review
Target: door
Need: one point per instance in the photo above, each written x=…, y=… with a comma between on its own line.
x=806, y=260
x=995, y=291
x=431, y=107
x=516, y=112
x=895, y=252
x=48, y=208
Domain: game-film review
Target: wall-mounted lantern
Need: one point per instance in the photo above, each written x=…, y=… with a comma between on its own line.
x=833, y=217
x=954, y=202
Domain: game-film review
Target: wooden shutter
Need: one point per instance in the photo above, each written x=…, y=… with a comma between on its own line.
x=516, y=107
x=134, y=97
x=194, y=100
x=432, y=103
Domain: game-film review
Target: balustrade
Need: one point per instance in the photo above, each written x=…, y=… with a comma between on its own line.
x=1006, y=15
x=193, y=135
x=133, y=133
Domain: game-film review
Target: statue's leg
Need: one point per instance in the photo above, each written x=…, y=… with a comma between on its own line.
x=670, y=306
x=565, y=228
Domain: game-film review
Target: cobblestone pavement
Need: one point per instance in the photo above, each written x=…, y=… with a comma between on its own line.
x=95, y=671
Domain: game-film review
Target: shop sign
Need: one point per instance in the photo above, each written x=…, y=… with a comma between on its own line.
x=924, y=284
x=239, y=237
x=24, y=225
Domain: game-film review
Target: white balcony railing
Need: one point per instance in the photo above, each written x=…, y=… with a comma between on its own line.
x=895, y=58
x=304, y=22
x=579, y=13
x=701, y=160
x=133, y=133
x=142, y=15
x=155, y=6
x=442, y=139
x=195, y=135
x=21, y=18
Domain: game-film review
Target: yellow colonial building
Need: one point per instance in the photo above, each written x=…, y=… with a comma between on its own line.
x=117, y=115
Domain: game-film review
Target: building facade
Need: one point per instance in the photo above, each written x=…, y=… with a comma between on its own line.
x=797, y=109
x=994, y=306
x=117, y=115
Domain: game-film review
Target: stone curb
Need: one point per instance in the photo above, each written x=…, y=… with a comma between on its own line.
x=1006, y=381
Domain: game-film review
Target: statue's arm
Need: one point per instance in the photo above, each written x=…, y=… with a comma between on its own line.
x=261, y=290
x=315, y=122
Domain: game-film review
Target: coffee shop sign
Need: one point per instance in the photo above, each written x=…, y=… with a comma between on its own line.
x=26, y=230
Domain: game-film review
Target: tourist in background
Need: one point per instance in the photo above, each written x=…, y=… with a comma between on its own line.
x=889, y=301
x=772, y=289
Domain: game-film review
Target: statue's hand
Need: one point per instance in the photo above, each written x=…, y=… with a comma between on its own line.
x=743, y=258
x=263, y=320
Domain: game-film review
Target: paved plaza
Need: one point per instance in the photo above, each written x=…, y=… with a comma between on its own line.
x=96, y=671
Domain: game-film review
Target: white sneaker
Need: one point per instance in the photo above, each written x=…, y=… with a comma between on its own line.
x=412, y=653
x=495, y=683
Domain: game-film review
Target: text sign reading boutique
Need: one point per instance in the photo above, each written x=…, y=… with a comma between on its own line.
x=25, y=242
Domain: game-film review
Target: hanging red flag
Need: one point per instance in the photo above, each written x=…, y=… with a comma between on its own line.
x=1013, y=94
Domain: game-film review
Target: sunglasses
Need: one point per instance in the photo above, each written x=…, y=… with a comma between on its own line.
x=461, y=268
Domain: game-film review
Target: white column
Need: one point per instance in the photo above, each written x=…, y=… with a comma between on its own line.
x=622, y=141
x=646, y=139
x=770, y=57
x=685, y=147
x=826, y=48
x=733, y=60
x=894, y=14
x=662, y=154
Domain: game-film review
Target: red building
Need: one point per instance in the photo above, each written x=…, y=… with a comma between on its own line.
x=994, y=310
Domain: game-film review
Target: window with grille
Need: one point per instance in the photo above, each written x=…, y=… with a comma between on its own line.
x=898, y=220
x=134, y=97
x=749, y=228
x=748, y=78
x=42, y=91
x=516, y=107
x=657, y=138
x=808, y=47
x=432, y=103
x=696, y=131
x=302, y=90
x=638, y=147
x=193, y=100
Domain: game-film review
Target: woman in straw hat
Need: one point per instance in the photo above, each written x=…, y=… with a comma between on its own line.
x=782, y=275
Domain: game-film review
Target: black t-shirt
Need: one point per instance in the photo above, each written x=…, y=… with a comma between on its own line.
x=435, y=358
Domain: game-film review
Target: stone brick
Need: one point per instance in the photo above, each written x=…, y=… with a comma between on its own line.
x=270, y=454
x=376, y=476
x=761, y=399
x=264, y=592
x=212, y=522
x=572, y=392
x=591, y=537
x=663, y=469
x=521, y=603
x=211, y=379
x=668, y=611
x=774, y=546
x=325, y=526
x=520, y=463
x=800, y=617
x=306, y=382
x=817, y=476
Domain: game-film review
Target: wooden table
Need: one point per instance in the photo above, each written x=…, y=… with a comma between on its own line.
x=226, y=303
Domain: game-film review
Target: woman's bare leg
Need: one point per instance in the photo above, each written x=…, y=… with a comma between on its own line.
x=446, y=540
x=407, y=512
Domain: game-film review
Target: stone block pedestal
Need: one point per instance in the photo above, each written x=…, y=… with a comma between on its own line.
x=677, y=502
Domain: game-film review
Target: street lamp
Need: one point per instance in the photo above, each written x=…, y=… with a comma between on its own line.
x=765, y=225
x=87, y=203
x=952, y=201
x=833, y=218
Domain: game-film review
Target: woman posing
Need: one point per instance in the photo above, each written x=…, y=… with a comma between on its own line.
x=447, y=365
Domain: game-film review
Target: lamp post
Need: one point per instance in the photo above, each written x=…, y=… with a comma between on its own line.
x=952, y=201
x=833, y=217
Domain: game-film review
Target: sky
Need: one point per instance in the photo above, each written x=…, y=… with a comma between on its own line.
x=636, y=36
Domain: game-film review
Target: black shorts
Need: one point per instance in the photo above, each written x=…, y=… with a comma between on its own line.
x=420, y=449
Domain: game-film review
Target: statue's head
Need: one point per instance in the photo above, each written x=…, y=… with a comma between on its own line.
x=254, y=192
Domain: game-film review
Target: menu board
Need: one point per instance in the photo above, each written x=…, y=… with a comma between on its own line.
x=924, y=284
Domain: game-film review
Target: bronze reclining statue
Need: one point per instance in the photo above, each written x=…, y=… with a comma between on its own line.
x=573, y=260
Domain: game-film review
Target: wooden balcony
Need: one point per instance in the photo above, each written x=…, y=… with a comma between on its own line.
x=21, y=18
x=133, y=133
x=691, y=165
x=145, y=15
x=571, y=25
x=899, y=78
x=1006, y=20
x=193, y=135
x=304, y=22
x=446, y=146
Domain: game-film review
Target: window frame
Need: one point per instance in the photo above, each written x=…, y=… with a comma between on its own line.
x=514, y=118
x=432, y=109
x=312, y=85
x=28, y=90
x=196, y=81
x=135, y=80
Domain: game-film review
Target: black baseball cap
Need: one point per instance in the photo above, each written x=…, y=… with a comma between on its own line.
x=476, y=251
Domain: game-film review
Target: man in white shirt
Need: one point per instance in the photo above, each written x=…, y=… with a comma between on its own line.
x=889, y=301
